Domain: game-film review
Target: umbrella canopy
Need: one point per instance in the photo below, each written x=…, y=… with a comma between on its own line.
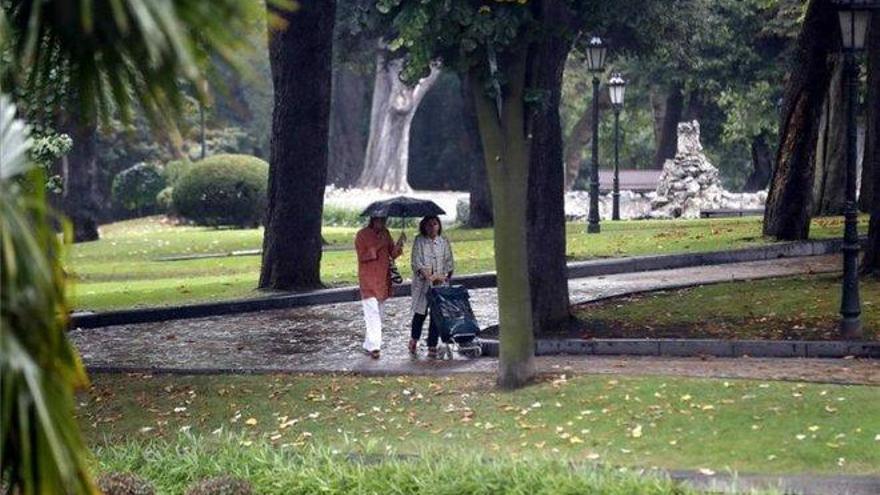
x=404, y=207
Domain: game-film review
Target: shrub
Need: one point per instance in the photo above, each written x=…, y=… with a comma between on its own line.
x=124, y=484
x=165, y=200
x=135, y=188
x=223, y=190
x=174, y=170
x=221, y=485
x=341, y=217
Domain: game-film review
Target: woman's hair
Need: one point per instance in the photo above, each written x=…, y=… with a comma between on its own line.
x=372, y=219
x=423, y=225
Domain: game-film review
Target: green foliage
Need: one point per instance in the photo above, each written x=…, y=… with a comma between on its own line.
x=272, y=470
x=335, y=216
x=102, y=56
x=174, y=170
x=223, y=190
x=136, y=188
x=222, y=140
x=750, y=113
x=165, y=200
x=41, y=450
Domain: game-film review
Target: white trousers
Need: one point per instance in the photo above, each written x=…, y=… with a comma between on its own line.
x=373, y=311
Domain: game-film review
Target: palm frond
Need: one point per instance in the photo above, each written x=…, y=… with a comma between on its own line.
x=41, y=450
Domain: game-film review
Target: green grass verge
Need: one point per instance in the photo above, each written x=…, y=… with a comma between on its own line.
x=661, y=422
x=121, y=270
x=803, y=307
x=172, y=466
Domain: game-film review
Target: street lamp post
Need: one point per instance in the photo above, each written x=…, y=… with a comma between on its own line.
x=596, y=52
x=616, y=89
x=854, y=17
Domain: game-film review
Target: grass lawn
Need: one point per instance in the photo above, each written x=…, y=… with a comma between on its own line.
x=803, y=307
x=121, y=270
x=664, y=422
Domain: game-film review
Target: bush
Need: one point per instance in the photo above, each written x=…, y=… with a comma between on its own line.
x=135, y=188
x=221, y=485
x=124, y=484
x=335, y=216
x=174, y=170
x=165, y=200
x=223, y=190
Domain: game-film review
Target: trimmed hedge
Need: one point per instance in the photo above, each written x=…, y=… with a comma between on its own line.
x=223, y=190
x=136, y=187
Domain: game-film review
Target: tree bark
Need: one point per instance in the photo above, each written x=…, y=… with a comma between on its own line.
x=505, y=148
x=762, y=165
x=871, y=155
x=580, y=139
x=349, y=122
x=301, y=59
x=787, y=213
x=480, y=210
x=394, y=106
x=79, y=170
x=667, y=123
x=546, y=195
x=829, y=182
x=871, y=260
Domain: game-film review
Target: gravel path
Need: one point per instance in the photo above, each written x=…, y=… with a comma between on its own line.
x=328, y=338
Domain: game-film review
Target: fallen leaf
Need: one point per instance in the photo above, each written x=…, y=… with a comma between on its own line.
x=707, y=472
x=637, y=431
x=251, y=422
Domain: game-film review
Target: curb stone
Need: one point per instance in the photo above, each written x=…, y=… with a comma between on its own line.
x=698, y=347
x=580, y=269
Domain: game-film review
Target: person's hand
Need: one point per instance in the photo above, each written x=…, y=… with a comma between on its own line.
x=402, y=239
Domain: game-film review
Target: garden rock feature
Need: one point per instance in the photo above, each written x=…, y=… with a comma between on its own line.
x=689, y=183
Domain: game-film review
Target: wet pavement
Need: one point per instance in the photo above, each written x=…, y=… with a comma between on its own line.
x=328, y=338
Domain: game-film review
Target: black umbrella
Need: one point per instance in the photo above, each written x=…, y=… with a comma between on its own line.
x=403, y=207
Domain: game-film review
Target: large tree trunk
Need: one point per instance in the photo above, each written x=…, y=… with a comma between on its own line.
x=480, y=210
x=79, y=170
x=762, y=165
x=580, y=138
x=394, y=106
x=505, y=149
x=349, y=124
x=546, y=195
x=871, y=172
x=787, y=214
x=667, y=124
x=871, y=155
x=829, y=182
x=301, y=59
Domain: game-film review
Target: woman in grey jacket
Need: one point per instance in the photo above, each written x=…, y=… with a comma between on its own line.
x=432, y=264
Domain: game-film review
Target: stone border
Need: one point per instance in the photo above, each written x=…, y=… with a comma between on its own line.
x=582, y=269
x=698, y=347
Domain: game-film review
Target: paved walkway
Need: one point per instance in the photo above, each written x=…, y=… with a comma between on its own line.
x=328, y=338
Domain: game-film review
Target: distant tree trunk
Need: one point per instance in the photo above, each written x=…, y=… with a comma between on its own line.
x=762, y=164
x=480, y=210
x=349, y=120
x=580, y=138
x=829, y=182
x=787, y=214
x=871, y=260
x=79, y=170
x=394, y=106
x=546, y=195
x=667, y=123
x=301, y=60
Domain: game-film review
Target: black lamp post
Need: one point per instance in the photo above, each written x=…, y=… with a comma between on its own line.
x=596, y=51
x=616, y=89
x=854, y=16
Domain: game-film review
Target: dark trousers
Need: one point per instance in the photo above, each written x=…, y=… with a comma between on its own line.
x=433, y=332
